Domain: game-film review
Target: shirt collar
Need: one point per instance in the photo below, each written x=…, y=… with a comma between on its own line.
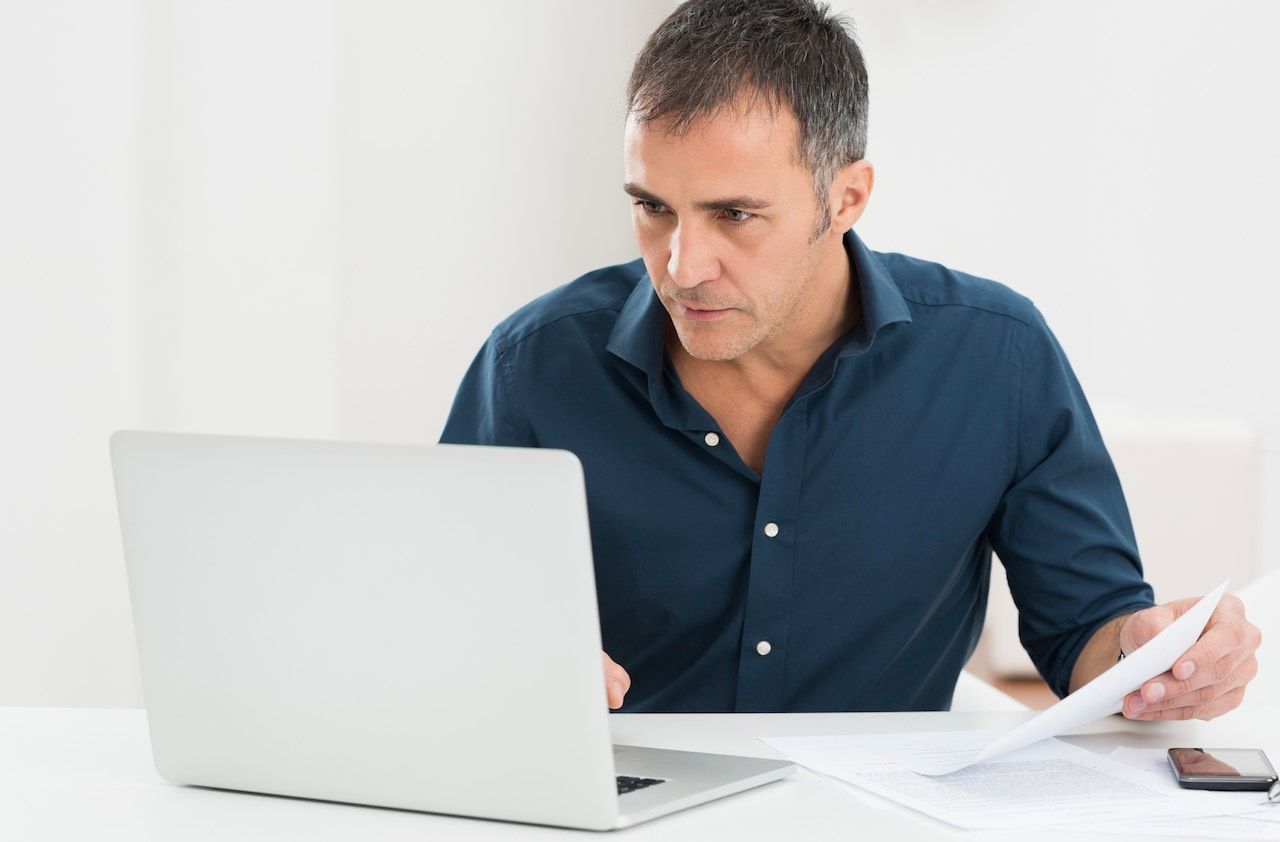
x=639, y=332
x=882, y=301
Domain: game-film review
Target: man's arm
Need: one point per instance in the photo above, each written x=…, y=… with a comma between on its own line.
x=1099, y=654
x=1062, y=529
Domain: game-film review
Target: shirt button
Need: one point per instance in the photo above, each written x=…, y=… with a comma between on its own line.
x=763, y=647
x=711, y=439
x=771, y=531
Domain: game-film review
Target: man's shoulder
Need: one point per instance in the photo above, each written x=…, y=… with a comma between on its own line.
x=927, y=284
x=597, y=296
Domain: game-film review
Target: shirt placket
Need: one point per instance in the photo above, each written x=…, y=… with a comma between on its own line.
x=766, y=623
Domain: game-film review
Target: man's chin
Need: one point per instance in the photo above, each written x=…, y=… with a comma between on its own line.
x=703, y=345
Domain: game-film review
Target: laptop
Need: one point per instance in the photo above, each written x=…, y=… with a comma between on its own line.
x=406, y=627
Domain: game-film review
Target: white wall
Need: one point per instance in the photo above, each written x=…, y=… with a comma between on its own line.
x=71, y=342
x=167, y=262
x=302, y=218
x=481, y=166
x=239, y=200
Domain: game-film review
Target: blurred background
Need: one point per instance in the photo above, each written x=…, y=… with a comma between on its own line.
x=302, y=218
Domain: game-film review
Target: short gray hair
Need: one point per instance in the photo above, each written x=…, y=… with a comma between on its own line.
x=781, y=53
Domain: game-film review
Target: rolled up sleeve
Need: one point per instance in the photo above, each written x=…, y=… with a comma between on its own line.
x=1062, y=528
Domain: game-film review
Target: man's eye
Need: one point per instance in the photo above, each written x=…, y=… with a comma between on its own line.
x=738, y=215
x=650, y=207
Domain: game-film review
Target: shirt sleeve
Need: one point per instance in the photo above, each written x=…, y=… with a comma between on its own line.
x=483, y=411
x=1062, y=528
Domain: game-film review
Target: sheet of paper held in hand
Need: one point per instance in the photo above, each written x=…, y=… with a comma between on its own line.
x=1101, y=697
x=1039, y=781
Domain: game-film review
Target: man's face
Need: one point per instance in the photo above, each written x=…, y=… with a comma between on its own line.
x=725, y=216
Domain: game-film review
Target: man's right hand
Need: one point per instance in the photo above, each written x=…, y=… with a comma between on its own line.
x=616, y=682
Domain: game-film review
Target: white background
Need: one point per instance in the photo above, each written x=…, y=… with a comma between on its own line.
x=302, y=217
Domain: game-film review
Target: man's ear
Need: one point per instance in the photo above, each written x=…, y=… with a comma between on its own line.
x=849, y=194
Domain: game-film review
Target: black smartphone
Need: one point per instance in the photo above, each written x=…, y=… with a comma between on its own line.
x=1222, y=768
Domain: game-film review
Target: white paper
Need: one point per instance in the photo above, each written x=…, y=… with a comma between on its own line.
x=868, y=798
x=1217, y=827
x=1101, y=697
x=1256, y=822
x=1050, y=783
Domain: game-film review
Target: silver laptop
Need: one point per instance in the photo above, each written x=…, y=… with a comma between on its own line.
x=410, y=627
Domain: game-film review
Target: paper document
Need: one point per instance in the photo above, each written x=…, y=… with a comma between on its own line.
x=1251, y=822
x=1101, y=697
x=867, y=797
x=1050, y=783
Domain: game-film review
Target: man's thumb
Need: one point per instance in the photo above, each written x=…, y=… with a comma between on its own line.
x=1144, y=625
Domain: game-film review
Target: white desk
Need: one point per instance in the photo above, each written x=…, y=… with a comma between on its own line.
x=86, y=774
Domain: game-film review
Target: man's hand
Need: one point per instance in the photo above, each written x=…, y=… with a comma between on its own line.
x=1209, y=679
x=616, y=682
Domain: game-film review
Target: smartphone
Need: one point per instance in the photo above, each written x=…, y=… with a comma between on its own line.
x=1222, y=768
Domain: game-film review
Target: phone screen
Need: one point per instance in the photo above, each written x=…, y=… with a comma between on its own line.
x=1224, y=763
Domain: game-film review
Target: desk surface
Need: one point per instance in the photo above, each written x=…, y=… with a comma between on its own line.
x=86, y=774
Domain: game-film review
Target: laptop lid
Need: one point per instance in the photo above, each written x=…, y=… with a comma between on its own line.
x=410, y=627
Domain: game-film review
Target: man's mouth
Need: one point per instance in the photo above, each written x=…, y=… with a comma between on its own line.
x=701, y=314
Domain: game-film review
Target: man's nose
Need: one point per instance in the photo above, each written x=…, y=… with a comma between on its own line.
x=692, y=260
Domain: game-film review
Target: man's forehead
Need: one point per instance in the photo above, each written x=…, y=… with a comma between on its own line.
x=725, y=148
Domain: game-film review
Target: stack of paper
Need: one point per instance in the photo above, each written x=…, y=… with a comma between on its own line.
x=1050, y=783
x=1254, y=819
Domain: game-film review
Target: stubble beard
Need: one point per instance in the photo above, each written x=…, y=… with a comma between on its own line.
x=732, y=346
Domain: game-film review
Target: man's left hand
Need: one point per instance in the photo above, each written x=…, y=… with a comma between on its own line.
x=1209, y=679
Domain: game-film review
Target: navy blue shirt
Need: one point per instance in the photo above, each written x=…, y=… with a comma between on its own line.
x=853, y=574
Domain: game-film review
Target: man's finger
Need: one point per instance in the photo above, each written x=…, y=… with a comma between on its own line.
x=1228, y=639
x=1215, y=707
x=616, y=682
x=1244, y=672
x=1223, y=647
x=1136, y=708
x=1146, y=624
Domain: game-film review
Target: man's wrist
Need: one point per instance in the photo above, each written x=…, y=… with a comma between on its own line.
x=1123, y=618
x=1101, y=652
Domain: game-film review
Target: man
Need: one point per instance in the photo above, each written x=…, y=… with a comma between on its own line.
x=800, y=453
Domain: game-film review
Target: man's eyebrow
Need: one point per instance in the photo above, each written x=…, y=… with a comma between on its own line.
x=727, y=203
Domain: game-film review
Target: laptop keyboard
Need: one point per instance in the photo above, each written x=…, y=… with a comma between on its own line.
x=626, y=783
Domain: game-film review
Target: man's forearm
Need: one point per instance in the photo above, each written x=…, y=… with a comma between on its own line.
x=1098, y=655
